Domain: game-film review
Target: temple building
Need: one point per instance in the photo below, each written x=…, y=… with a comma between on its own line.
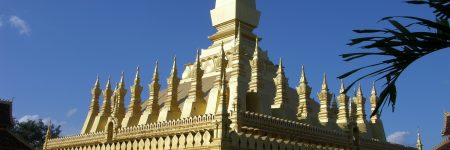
x=231, y=97
x=8, y=139
x=445, y=144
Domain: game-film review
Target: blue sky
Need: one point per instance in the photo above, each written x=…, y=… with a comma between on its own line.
x=51, y=52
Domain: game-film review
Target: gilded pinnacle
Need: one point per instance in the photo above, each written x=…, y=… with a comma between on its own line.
x=255, y=54
x=108, y=84
x=117, y=86
x=374, y=90
x=280, y=66
x=359, y=92
x=122, y=82
x=419, y=140
x=49, y=128
x=97, y=83
x=342, y=90
x=324, y=83
x=174, y=66
x=155, y=72
x=137, y=78
x=303, y=76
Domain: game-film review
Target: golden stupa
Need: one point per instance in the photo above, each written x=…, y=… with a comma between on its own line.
x=231, y=97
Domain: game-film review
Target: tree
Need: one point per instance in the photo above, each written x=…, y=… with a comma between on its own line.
x=34, y=131
x=400, y=46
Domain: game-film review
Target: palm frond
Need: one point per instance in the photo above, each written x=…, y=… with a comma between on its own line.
x=402, y=45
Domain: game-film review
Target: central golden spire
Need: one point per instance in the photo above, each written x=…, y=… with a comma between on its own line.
x=235, y=10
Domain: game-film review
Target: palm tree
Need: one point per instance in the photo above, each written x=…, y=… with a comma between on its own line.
x=400, y=47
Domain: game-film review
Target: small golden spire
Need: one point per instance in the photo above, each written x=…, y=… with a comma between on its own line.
x=97, y=83
x=122, y=82
x=155, y=72
x=137, y=79
x=49, y=130
x=256, y=47
x=108, y=83
x=48, y=135
x=324, y=82
x=342, y=90
x=280, y=66
x=419, y=140
x=303, y=76
x=374, y=90
x=359, y=92
x=174, y=66
x=96, y=91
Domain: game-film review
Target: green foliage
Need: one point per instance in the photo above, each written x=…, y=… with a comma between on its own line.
x=34, y=132
x=400, y=46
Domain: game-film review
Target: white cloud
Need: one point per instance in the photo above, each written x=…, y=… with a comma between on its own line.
x=29, y=117
x=20, y=25
x=398, y=137
x=45, y=120
x=55, y=122
x=71, y=112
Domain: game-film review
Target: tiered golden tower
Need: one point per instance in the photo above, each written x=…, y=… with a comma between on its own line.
x=231, y=97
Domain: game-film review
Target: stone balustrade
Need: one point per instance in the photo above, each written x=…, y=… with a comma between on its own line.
x=191, y=125
x=179, y=141
x=292, y=129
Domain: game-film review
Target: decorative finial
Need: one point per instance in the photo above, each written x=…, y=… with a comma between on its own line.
x=174, y=66
x=374, y=90
x=256, y=52
x=342, y=90
x=48, y=135
x=137, y=78
x=280, y=66
x=256, y=44
x=419, y=140
x=155, y=72
x=108, y=83
x=324, y=82
x=359, y=92
x=303, y=76
x=97, y=82
x=122, y=81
